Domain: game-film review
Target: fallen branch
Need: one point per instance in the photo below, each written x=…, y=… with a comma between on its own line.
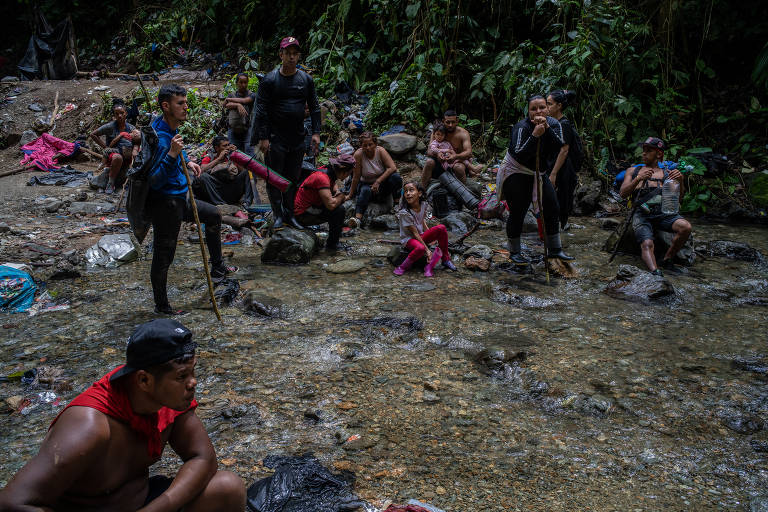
x=15, y=171
x=55, y=110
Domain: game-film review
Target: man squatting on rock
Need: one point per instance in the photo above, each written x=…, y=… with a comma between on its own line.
x=98, y=450
x=278, y=126
x=644, y=184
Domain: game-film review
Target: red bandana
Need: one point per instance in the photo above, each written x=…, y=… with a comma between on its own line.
x=113, y=401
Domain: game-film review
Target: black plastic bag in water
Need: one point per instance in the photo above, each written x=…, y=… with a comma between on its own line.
x=302, y=484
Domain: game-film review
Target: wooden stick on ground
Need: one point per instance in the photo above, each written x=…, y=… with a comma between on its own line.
x=15, y=171
x=200, y=237
x=55, y=110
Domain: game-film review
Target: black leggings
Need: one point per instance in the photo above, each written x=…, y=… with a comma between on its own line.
x=288, y=165
x=517, y=193
x=334, y=218
x=168, y=212
x=566, y=186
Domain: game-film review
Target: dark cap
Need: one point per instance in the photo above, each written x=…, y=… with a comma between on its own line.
x=289, y=41
x=654, y=142
x=154, y=343
x=343, y=160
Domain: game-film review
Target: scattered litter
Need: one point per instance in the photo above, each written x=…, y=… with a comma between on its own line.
x=101, y=88
x=46, y=303
x=17, y=289
x=113, y=251
x=232, y=239
x=302, y=483
x=35, y=107
x=345, y=149
x=398, y=128
x=69, y=107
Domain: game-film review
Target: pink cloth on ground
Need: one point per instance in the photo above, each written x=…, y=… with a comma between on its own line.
x=40, y=152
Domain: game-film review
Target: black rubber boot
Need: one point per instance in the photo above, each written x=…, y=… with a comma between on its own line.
x=558, y=253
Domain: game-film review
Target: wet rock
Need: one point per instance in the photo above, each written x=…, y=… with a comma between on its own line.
x=587, y=198
x=35, y=107
x=4, y=228
x=733, y=250
x=377, y=209
x=394, y=321
x=290, y=246
x=430, y=398
x=459, y=222
x=9, y=79
x=386, y=222
x=756, y=365
x=493, y=358
x=759, y=446
x=479, y=251
x=508, y=295
x=28, y=136
x=234, y=412
x=357, y=443
x=66, y=268
x=54, y=206
x=398, y=144
x=80, y=196
x=475, y=263
x=637, y=285
x=743, y=424
x=264, y=305
x=421, y=287
x=313, y=416
x=685, y=256
x=346, y=266
x=610, y=223
x=90, y=208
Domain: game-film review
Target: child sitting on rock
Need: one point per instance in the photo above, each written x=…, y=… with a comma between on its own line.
x=415, y=235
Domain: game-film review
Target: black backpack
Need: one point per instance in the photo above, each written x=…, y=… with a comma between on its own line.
x=138, y=184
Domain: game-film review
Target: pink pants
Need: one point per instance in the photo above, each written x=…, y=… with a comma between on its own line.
x=437, y=233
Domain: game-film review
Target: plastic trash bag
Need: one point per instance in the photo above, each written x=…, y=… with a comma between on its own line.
x=113, y=251
x=302, y=484
x=17, y=289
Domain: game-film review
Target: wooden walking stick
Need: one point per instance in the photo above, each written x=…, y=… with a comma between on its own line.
x=540, y=203
x=627, y=222
x=200, y=237
x=146, y=95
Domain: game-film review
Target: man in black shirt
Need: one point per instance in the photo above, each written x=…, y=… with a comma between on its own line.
x=278, y=125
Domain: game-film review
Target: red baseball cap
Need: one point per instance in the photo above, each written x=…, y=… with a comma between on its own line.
x=289, y=41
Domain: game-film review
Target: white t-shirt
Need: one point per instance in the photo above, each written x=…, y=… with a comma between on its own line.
x=407, y=217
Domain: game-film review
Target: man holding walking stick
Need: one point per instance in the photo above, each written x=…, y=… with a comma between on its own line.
x=168, y=200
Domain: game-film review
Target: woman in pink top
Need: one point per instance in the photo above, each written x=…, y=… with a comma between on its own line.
x=376, y=174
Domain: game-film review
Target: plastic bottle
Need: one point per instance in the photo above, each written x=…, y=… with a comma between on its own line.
x=670, y=197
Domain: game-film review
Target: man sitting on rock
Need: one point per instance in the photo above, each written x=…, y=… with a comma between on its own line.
x=222, y=181
x=98, y=451
x=459, y=138
x=644, y=184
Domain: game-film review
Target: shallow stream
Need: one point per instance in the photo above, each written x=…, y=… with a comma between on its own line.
x=491, y=391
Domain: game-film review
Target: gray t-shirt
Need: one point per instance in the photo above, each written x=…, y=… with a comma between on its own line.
x=407, y=217
x=237, y=123
x=110, y=131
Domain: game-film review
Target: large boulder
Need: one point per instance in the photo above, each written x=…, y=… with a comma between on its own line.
x=376, y=209
x=636, y=285
x=733, y=250
x=398, y=144
x=587, y=198
x=290, y=246
x=459, y=222
x=479, y=251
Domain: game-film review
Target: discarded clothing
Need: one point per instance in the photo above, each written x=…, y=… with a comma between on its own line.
x=302, y=483
x=61, y=178
x=17, y=289
x=41, y=152
x=110, y=399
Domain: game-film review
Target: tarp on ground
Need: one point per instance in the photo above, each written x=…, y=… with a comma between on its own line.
x=17, y=289
x=40, y=152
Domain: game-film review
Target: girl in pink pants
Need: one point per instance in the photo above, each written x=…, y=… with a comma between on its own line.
x=415, y=235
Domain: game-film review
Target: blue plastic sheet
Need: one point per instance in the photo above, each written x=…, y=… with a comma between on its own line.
x=17, y=289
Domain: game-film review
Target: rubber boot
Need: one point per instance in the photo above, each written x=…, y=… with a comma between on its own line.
x=288, y=218
x=518, y=259
x=555, y=248
x=405, y=265
x=436, y=255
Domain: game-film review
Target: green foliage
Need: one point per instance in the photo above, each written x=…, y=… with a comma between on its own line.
x=231, y=84
x=758, y=190
x=201, y=118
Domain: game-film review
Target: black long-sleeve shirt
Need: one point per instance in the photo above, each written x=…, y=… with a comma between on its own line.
x=522, y=143
x=278, y=113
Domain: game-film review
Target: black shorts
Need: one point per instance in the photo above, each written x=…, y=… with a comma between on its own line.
x=158, y=484
x=644, y=224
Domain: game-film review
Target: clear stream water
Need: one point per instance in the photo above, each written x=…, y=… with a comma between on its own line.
x=602, y=404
